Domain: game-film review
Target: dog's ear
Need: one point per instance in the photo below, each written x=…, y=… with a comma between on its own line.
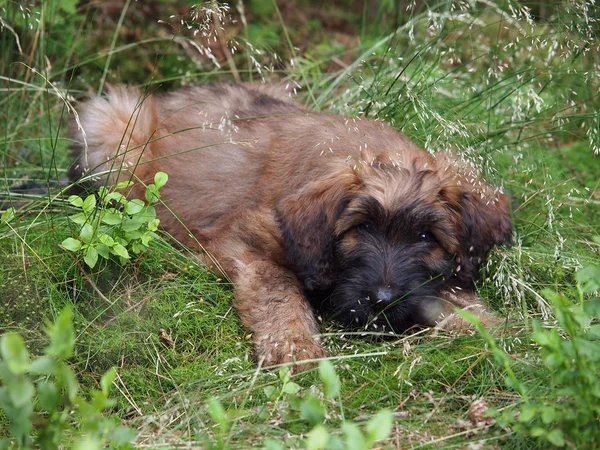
x=482, y=221
x=307, y=220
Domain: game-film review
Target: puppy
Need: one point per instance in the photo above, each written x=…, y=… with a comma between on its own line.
x=302, y=211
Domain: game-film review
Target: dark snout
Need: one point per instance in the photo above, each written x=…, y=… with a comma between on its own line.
x=385, y=287
x=408, y=283
x=383, y=297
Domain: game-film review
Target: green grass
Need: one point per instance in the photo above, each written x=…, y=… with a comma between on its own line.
x=516, y=97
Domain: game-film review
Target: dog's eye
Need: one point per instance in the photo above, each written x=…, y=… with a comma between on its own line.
x=426, y=237
x=364, y=226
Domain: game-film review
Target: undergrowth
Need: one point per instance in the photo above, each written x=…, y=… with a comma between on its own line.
x=508, y=87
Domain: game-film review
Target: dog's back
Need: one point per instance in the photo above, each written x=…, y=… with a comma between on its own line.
x=123, y=127
x=200, y=135
x=215, y=141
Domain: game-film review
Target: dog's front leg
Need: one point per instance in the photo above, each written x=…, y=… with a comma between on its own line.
x=271, y=304
x=469, y=301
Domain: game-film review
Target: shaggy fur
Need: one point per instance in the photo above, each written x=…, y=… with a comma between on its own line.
x=303, y=210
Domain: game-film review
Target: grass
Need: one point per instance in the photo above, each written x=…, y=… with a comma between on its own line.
x=511, y=91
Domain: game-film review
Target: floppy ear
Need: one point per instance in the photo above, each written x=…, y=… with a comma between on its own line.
x=483, y=220
x=307, y=220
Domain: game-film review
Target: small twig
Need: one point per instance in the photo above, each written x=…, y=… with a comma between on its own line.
x=132, y=307
x=360, y=388
x=128, y=396
x=31, y=56
x=166, y=337
x=93, y=285
x=23, y=258
x=225, y=48
x=112, y=46
x=9, y=28
x=339, y=62
x=398, y=414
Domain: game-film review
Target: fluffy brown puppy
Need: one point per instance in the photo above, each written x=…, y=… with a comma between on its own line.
x=303, y=210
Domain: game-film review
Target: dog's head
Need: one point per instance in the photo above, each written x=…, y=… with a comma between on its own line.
x=380, y=238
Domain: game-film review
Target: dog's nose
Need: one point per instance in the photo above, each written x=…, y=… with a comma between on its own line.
x=383, y=297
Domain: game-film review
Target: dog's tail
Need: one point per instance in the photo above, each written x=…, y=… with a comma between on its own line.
x=114, y=135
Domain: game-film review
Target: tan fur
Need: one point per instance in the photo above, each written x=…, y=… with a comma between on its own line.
x=241, y=162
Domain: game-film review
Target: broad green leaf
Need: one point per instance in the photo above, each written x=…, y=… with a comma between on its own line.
x=153, y=224
x=121, y=251
x=589, y=278
x=329, y=378
x=117, y=197
x=86, y=233
x=106, y=240
x=291, y=388
x=48, y=395
x=69, y=381
x=21, y=392
x=218, y=414
x=121, y=436
x=78, y=218
x=124, y=184
x=353, y=438
x=112, y=217
x=147, y=214
x=75, y=200
x=138, y=248
x=271, y=444
x=312, y=410
x=271, y=392
x=549, y=415
x=317, y=438
x=14, y=353
x=62, y=337
x=89, y=443
x=285, y=374
x=107, y=380
x=131, y=224
x=97, y=403
x=68, y=6
x=594, y=332
x=380, y=426
x=44, y=365
x=102, y=192
x=91, y=257
x=71, y=244
x=160, y=179
x=133, y=235
x=556, y=437
x=335, y=443
x=103, y=250
x=7, y=216
x=527, y=413
x=152, y=194
x=20, y=419
x=134, y=206
x=147, y=237
x=538, y=431
x=89, y=203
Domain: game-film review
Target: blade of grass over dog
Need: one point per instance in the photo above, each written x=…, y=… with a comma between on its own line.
x=112, y=46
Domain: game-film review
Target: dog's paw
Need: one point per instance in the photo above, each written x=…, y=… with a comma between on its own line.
x=468, y=301
x=453, y=321
x=300, y=349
